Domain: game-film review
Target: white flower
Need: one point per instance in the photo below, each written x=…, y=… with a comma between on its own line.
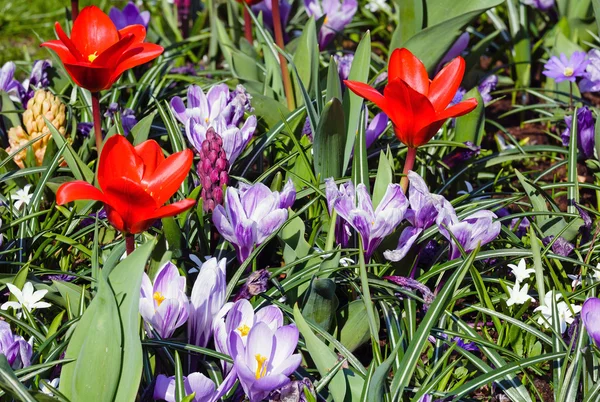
x=596, y=275
x=22, y=197
x=45, y=390
x=518, y=295
x=376, y=5
x=576, y=280
x=26, y=299
x=520, y=271
x=565, y=314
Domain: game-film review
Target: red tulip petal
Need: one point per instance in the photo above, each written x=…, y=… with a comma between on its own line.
x=138, y=31
x=119, y=160
x=425, y=134
x=68, y=42
x=163, y=212
x=61, y=50
x=152, y=156
x=110, y=56
x=406, y=66
x=169, y=175
x=129, y=200
x=368, y=92
x=78, y=190
x=446, y=83
x=136, y=56
x=93, y=31
x=93, y=78
x=114, y=218
x=457, y=110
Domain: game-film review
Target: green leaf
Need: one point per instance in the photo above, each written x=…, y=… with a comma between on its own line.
x=79, y=169
x=329, y=141
x=179, y=385
x=596, y=6
x=360, y=163
x=334, y=85
x=10, y=383
x=305, y=56
x=321, y=303
x=8, y=111
x=19, y=280
x=377, y=384
x=410, y=21
x=470, y=126
x=385, y=176
x=141, y=130
x=354, y=322
x=71, y=292
x=126, y=281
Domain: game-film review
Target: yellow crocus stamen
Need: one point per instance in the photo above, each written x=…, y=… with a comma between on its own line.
x=158, y=297
x=93, y=57
x=325, y=20
x=206, y=119
x=568, y=72
x=244, y=329
x=261, y=368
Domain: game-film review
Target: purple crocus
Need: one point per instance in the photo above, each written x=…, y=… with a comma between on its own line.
x=456, y=50
x=37, y=79
x=255, y=284
x=128, y=120
x=250, y=215
x=372, y=225
x=131, y=15
x=164, y=305
x=542, y=5
x=586, y=141
x=590, y=314
x=560, y=246
x=266, y=7
x=241, y=318
x=332, y=193
x=221, y=109
x=477, y=228
x=423, y=211
x=591, y=79
x=8, y=83
x=337, y=13
x=375, y=128
x=294, y=392
x=202, y=387
x=566, y=69
x=461, y=155
x=264, y=361
x=485, y=88
x=208, y=297
x=344, y=64
x=16, y=349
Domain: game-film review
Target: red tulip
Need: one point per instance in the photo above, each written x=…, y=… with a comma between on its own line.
x=97, y=53
x=417, y=106
x=134, y=182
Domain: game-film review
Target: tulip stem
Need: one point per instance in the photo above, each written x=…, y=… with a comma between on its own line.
x=129, y=243
x=97, y=120
x=248, y=25
x=74, y=9
x=409, y=163
x=287, y=83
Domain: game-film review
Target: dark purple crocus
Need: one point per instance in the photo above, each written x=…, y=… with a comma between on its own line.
x=255, y=284
x=373, y=225
x=337, y=13
x=37, y=79
x=16, y=349
x=560, y=246
x=294, y=392
x=412, y=285
x=590, y=314
x=591, y=79
x=487, y=86
x=542, y=5
x=586, y=141
x=130, y=15
x=375, y=128
x=563, y=68
x=522, y=228
x=84, y=129
x=266, y=7
x=212, y=170
x=456, y=50
x=423, y=212
x=461, y=154
x=344, y=64
x=128, y=120
x=8, y=83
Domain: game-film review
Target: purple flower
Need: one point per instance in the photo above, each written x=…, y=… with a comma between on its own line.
x=586, y=141
x=542, y=5
x=412, y=284
x=8, y=83
x=486, y=86
x=456, y=50
x=344, y=64
x=128, y=120
x=195, y=383
x=424, y=210
x=37, y=79
x=342, y=228
x=164, y=305
x=256, y=283
x=84, y=129
x=130, y=15
x=375, y=128
x=591, y=79
x=294, y=392
x=60, y=277
x=338, y=14
x=523, y=227
x=287, y=196
x=208, y=297
x=16, y=349
x=220, y=109
x=590, y=314
x=372, y=225
x=477, y=228
x=249, y=217
x=265, y=359
x=240, y=317
x=307, y=130
x=112, y=110
x=560, y=246
x=461, y=155
x=566, y=69
x=266, y=7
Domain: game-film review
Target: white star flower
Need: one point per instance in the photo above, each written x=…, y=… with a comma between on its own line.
x=565, y=314
x=22, y=197
x=518, y=295
x=521, y=271
x=26, y=299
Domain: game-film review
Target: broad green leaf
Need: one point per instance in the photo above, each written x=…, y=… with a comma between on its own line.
x=330, y=141
x=354, y=324
x=8, y=111
x=79, y=169
x=385, y=176
x=305, y=56
x=334, y=85
x=141, y=130
x=470, y=126
x=321, y=303
x=410, y=21
x=360, y=163
x=71, y=292
x=10, y=383
x=377, y=384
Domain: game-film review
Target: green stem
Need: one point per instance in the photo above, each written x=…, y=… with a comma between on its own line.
x=366, y=294
x=97, y=120
x=409, y=163
x=331, y=234
x=287, y=83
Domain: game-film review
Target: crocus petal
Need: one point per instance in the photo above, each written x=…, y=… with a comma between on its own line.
x=406, y=66
x=286, y=339
x=590, y=314
x=407, y=239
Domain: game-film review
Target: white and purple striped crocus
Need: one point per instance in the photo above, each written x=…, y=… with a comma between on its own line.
x=342, y=227
x=590, y=314
x=221, y=109
x=201, y=386
x=373, y=225
x=251, y=214
x=164, y=304
x=265, y=360
x=130, y=15
x=240, y=317
x=337, y=15
x=207, y=299
x=423, y=212
x=8, y=83
x=591, y=78
x=16, y=349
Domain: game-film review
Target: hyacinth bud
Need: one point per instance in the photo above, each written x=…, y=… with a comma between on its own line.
x=212, y=170
x=42, y=105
